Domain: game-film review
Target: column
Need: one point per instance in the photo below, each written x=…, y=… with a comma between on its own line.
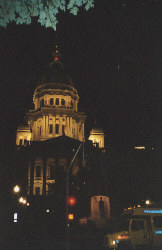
x=44, y=126
x=67, y=126
x=71, y=125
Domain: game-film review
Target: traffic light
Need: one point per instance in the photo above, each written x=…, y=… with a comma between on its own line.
x=71, y=216
x=72, y=201
x=72, y=208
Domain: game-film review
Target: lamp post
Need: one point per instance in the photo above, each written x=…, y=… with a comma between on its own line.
x=67, y=194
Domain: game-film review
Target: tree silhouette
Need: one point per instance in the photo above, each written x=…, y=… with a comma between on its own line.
x=22, y=11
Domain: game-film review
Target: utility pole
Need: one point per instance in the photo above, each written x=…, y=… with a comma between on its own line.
x=67, y=194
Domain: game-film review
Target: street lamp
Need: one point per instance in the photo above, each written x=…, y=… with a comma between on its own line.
x=16, y=189
x=67, y=193
x=148, y=202
x=24, y=201
x=21, y=199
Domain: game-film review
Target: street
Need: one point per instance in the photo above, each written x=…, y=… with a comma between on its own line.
x=43, y=237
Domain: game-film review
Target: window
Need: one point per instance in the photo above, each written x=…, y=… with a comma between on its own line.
x=51, y=171
x=38, y=171
x=40, y=130
x=37, y=191
x=71, y=104
x=51, y=101
x=42, y=102
x=25, y=142
x=137, y=225
x=62, y=101
x=15, y=217
x=21, y=142
x=57, y=101
x=57, y=129
x=63, y=129
x=51, y=129
x=157, y=221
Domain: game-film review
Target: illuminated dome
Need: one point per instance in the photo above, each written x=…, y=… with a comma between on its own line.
x=56, y=73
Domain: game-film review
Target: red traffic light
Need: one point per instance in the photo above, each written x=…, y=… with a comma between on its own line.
x=72, y=201
x=56, y=59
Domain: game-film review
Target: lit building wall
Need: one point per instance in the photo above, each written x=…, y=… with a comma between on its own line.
x=97, y=137
x=23, y=136
x=45, y=170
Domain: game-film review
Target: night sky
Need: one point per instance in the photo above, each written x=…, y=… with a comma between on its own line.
x=113, y=54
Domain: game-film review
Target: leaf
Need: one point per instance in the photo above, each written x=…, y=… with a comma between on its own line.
x=74, y=11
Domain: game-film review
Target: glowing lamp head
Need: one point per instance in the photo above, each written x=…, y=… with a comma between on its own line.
x=72, y=201
x=148, y=202
x=21, y=200
x=71, y=216
x=16, y=189
x=24, y=202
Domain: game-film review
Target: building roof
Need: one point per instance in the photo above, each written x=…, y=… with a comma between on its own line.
x=56, y=72
x=96, y=130
x=61, y=145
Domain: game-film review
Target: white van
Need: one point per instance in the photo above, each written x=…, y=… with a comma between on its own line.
x=144, y=231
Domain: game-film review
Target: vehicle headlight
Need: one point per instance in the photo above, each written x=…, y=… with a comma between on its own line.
x=113, y=242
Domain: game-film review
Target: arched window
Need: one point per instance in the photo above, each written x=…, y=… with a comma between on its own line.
x=51, y=101
x=42, y=102
x=57, y=129
x=38, y=171
x=62, y=101
x=21, y=142
x=25, y=142
x=57, y=101
x=51, y=129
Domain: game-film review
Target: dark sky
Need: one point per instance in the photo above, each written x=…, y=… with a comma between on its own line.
x=113, y=53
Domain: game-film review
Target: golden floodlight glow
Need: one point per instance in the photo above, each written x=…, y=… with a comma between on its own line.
x=24, y=201
x=138, y=205
x=16, y=189
x=21, y=200
x=28, y=204
x=139, y=147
